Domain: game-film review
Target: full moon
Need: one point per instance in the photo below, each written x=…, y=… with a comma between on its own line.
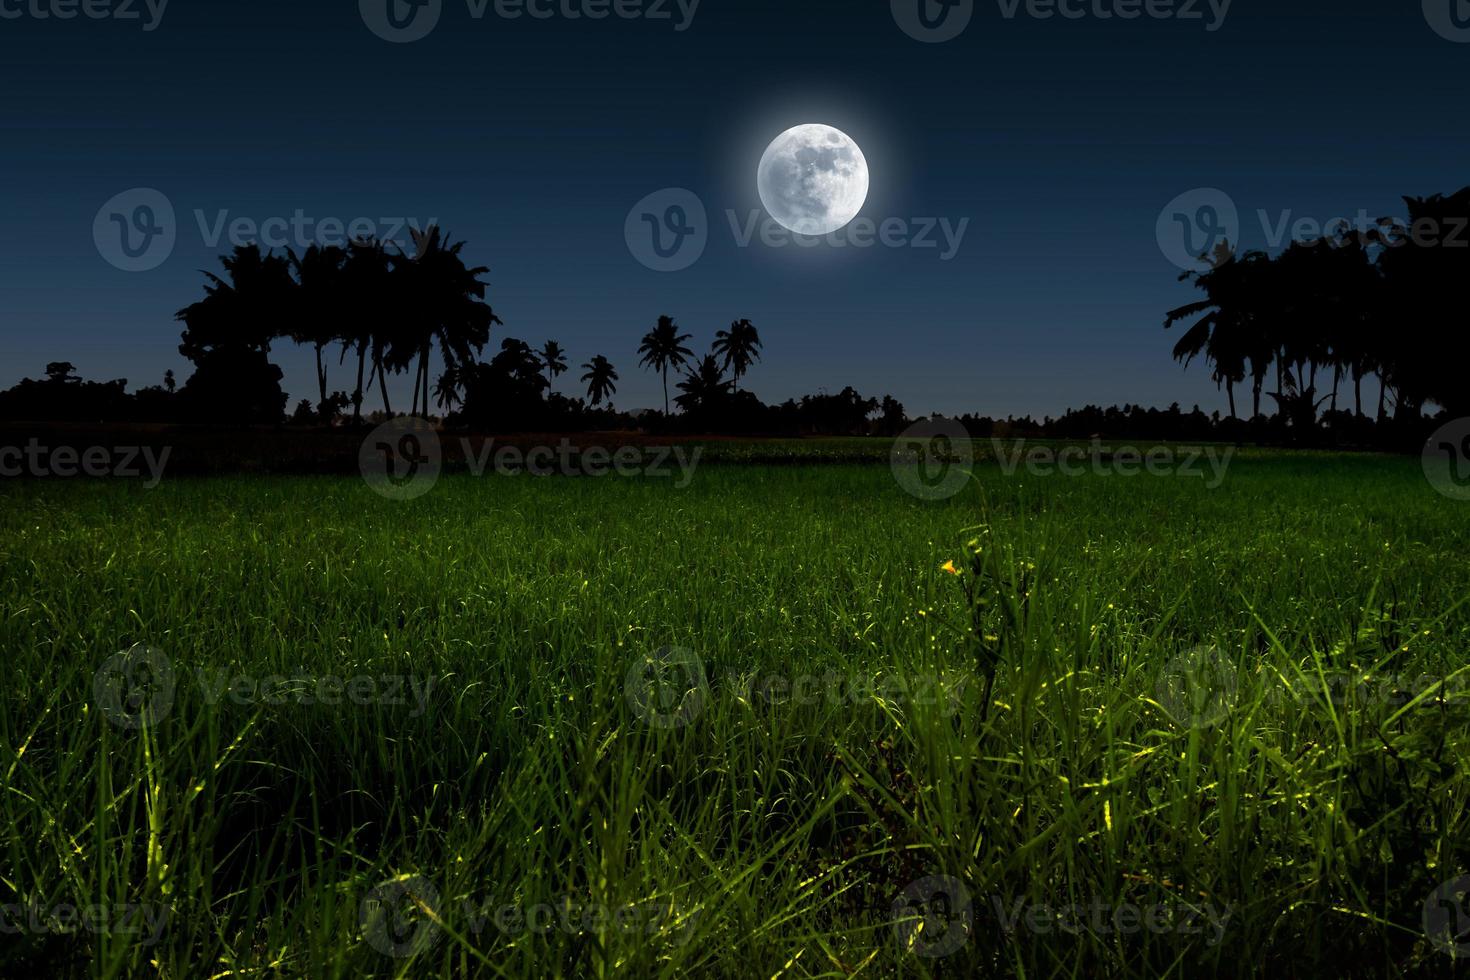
x=813, y=179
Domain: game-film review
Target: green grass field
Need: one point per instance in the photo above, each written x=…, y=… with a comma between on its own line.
x=611, y=728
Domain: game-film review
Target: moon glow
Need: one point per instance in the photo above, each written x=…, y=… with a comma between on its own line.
x=813, y=179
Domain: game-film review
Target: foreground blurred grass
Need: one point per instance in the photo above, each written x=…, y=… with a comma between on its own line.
x=743, y=829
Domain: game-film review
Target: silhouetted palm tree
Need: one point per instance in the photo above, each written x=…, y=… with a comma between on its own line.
x=443, y=300
x=555, y=360
x=601, y=380
x=1221, y=333
x=662, y=348
x=704, y=387
x=740, y=346
x=243, y=309
x=446, y=392
x=318, y=303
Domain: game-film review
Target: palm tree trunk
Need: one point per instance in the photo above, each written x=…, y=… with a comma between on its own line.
x=1336, y=380
x=666, y=391
x=1382, y=397
x=1230, y=391
x=383, y=385
x=1357, y=393
x=357, y=396
x=321, y=374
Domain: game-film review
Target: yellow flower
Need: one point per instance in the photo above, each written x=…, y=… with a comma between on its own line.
x=949, y=567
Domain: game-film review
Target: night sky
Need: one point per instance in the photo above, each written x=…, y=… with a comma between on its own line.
x=1060, y=140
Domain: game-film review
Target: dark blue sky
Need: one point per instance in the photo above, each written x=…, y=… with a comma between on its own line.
x=1059, y=139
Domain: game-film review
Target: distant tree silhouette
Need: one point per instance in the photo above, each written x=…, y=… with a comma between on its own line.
x=740, y=346
x=228, y=337
x=555, y=360
x=601, y=380
x=705, y=388
x=663, y=348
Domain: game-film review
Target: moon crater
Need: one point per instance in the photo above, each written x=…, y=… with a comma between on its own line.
x=813, y=179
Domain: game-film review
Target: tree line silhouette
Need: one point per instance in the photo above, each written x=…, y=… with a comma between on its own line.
x=1380, y=303
x=1385, y=301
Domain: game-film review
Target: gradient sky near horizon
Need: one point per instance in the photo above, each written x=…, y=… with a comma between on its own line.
x=1061, y=140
